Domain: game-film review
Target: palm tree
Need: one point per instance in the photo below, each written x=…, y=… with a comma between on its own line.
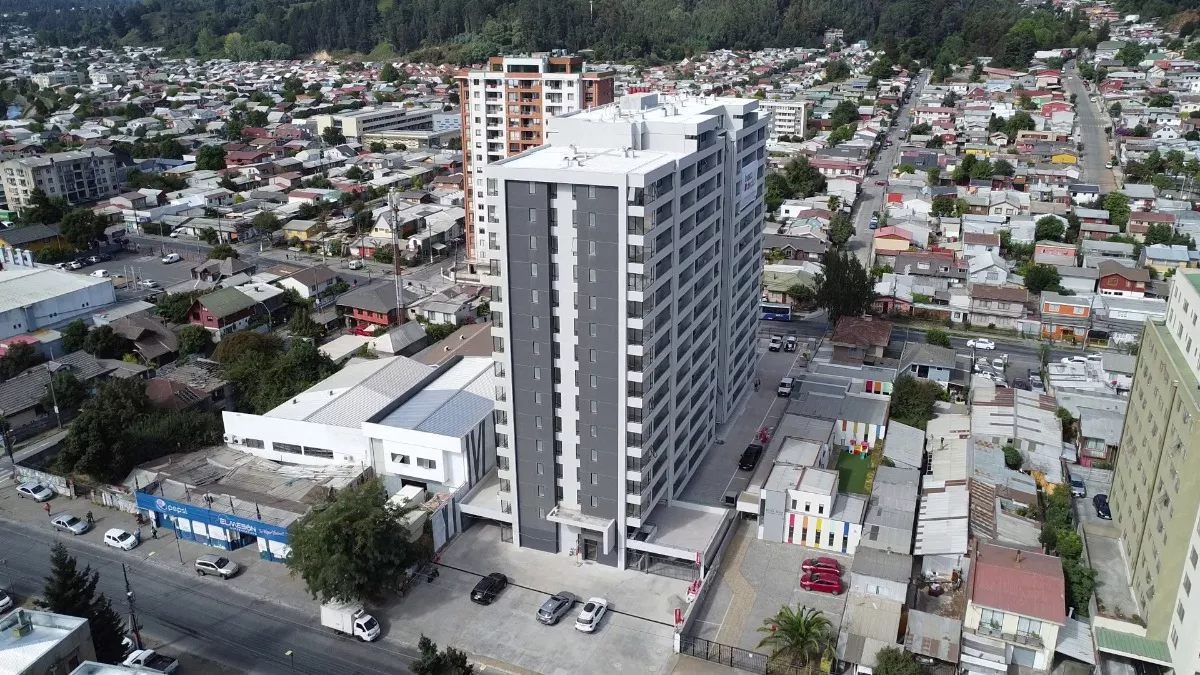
x=797, y=637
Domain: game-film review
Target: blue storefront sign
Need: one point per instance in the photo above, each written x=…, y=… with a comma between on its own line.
x=199, y=514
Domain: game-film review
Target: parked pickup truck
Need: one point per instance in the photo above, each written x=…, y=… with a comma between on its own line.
x=349, y=619
x=152, y=660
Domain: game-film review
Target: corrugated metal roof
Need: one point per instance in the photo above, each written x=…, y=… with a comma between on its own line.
x=24, y=287
x=452, y=404
x=1128, y=644
x=372, y=394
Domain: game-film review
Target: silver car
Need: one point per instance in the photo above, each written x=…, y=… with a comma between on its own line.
x=215, y=564
x=69, y=523
x=35, y=491
x=556, y=607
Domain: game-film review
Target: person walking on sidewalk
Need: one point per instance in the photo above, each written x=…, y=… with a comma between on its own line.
x=90, y=520
x=153, y=532
x=46, y=508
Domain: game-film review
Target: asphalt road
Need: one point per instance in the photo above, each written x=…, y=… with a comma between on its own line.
x=1097, y=148
x=180, y=613
x=871, y=199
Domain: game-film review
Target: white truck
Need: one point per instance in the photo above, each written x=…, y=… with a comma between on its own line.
x=349, y=618
x=151, y=660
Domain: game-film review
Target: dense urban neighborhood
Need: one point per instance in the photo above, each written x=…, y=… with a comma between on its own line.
x=323, y=364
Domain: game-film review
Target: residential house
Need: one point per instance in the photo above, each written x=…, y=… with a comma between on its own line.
x=152, y=340
x=1121, y=281
x=976, y=243
x=927, y=362
x=1084, y=193
x=216, y=271
x=1142, y=197
x=891, y=240
x=374, y=305
x=301, y=230
x=881, y=573
x=31, y=237
x=1078, y=279
x=22, y=396
x=987, y=268
x=1140, y=222
x=858, y=340
x=1065, y=317
x=311, y=283
x=997, y=306
x=223, y=311
x=905, y=445
x=1165, y=257
x=1016, y=605
x=1054, y=253
x=1099, y=435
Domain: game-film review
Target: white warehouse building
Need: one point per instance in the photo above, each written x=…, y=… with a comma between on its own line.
x=413, y=424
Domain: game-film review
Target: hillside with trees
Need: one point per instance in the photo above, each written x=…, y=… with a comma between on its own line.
x=465, y=31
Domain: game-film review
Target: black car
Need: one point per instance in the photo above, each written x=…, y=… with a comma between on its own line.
x=750, y=457
x=488, y=588
x=1101, y=504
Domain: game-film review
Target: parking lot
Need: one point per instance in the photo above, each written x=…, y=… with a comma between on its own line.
x=756, y=579
x=635, y=636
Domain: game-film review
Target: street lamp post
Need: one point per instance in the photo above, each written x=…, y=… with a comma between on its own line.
x=291, y=659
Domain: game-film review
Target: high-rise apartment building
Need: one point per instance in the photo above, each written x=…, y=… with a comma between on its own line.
x=76, y=176
x=625, y=256
x=505, y=108
x=1154, y=500
x=788, y=118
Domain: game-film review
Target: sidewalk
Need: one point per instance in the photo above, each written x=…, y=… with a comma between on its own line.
x=264, y=580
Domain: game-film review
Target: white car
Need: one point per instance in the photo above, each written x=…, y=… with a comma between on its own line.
x=101, y=274
x=6, y=602
x=69, y=523
x=589, y=618
x=1108, y=165
x=35, y=491
x=118, y=538
x=1066, y=360
x=148, y=283
x=171, y=258
x=981, y=343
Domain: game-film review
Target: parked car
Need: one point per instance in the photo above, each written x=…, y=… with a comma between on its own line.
x=821, y=584
x=1108, y=165
x=785, y=387
x=99, y=258
x=148, y=659
x=1036, y=384
x=776, y=343
x=171, y=258
x=822, y=564
x=488, y=588
x=591, y=614
x=69, y=523
x=1078, y=489
x=750, y=457
x=1021, y=384
x=555, y=608
x=356, y=264
x=76, y=265
x=35, y=491
x=790, y=344
x=118, y=538
x=881, y=182
x=6, y=602
x=981, y=343
x=216, y=564
x=999, y=364
x=99, y=274
x=148, y=283
x=1101, y=504
x=1066, y=360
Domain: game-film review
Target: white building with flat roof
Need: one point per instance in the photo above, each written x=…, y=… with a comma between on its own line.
x=34, y=297
x=354, y=124
x=787, y=118
x=625, y=259
x=33, y=641
x=412, y=423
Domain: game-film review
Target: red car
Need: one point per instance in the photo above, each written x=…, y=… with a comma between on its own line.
x=821, y=584
x=881, y=182
x=828, y=565
x=365, y=331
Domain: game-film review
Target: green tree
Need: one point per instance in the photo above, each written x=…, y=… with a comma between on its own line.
x=841, y=229
x=174, y=306
x=194, y=339
x=378, y=146
x=1040, y=278
x=42, y=209
x=265, y=222
x=331, y=135
x=913, y=399
x=222, y=251
x=1081, y=582
x=433, y=662
x=896, y=661
x=942, y=206
x=388, y=73
x=210, y=158
x=933, y=176
x=74, y=335
x=800, y=294
x=96, y=443
x=353, y=548
x=906, y=169
x=72, y=591
x=1068, y=545
x=797, y=638
x=1049, y=227
x=1140, y=131
x=845, y=288
x=69, y=393
x=1002, y=167
x=209, y=236
x=1115, y=110
x=81, y=227
x=302, y=325
x=844, y=113
x=1012, y=457
x=1117, y=205
x=19, y=357
x=937, y=336
x=104, y=343
x=354, y=173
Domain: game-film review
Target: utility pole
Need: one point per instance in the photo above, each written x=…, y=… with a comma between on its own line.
x=397, y=268
x=137, y=635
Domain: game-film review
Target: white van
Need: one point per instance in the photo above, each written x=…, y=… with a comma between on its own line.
x=356, y=264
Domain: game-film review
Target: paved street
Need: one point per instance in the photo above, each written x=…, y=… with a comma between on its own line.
x=1097, y=149
x=871, y=198
x=183, y=613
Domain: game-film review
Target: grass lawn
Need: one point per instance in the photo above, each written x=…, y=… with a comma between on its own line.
x=852, y=473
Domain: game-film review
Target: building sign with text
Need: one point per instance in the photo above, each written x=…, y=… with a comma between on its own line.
x=207, y=516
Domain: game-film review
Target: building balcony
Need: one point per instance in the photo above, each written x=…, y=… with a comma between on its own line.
x=1027, y=639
